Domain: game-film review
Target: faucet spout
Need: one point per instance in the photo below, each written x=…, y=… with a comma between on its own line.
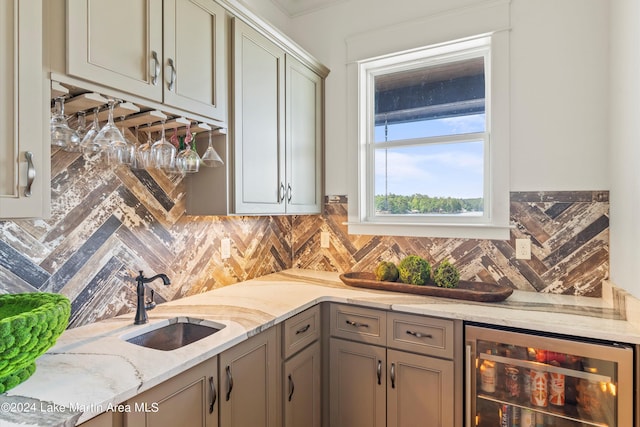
x=142, y=306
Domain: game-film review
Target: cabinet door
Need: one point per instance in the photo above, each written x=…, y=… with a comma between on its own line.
x=117, y=43
x=420, y=390
x=23, y=111
x=302, y=388
x=249, y=383
x=357, y=384
x=190, y=399
x=258, y=122
x=304, y=136
x=195, y=57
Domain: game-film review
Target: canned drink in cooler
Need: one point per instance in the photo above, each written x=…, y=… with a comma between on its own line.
x=527, y=418
x=539, y=388
x=556, y=389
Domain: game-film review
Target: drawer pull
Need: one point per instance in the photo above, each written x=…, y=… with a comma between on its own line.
x=303, y=329
x=419, y=335
x=357, y=324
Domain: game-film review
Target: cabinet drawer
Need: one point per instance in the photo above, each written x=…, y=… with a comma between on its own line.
x=418, y=334
x=301, y=330
x=359, y=324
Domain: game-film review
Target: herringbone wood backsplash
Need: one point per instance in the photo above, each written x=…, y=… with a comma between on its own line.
x=107, y=224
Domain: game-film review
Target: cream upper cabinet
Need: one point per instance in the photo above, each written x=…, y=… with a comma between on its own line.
x=117, y=43
x=258, y=67
x=278, y=131
x=303, y=138
x=171, y=51
x=24, y=137
x=195, y=56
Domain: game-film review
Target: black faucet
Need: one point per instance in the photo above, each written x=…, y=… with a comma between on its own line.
x=142, y=306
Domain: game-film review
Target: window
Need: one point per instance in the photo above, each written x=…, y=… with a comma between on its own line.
x=427, y=156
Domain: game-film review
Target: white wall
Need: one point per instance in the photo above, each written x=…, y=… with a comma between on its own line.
x=625, y=144
x=559, y=52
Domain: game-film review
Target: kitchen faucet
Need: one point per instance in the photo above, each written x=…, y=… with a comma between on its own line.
x=142, y=306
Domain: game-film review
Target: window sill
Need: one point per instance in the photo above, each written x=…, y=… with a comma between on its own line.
x=458, y=231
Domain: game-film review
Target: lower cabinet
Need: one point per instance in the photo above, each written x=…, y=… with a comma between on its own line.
x=249, y=382
x=302, y=369
x=189, y=399
x=395, y=370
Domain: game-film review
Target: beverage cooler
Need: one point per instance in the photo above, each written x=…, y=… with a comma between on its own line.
x=519, y=379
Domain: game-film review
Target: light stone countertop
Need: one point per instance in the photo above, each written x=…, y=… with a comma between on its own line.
x=91, y=368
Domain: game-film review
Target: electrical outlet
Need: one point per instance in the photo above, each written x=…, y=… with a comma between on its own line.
x=324, y=239
x=523, y=249
x=225, y=248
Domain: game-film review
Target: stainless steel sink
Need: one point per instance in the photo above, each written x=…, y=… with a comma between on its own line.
x=177, y=333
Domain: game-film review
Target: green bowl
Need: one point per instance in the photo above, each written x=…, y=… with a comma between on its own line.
x=30, y=324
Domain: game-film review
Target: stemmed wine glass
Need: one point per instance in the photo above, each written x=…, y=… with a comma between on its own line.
x=211, y=158
x=90, y=149
x=188, y=160
x=61, y=134
x=163, y=153
x=110, y=138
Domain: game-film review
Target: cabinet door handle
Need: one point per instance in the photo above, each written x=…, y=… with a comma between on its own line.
x=291, y=388
x=468, y=383
x=156, y=68
x=174, y=75
x=229, y=382
x=289, y=193
x=303, y=329
x=393, y=375
x=419, y=334
x=281, y=193
x=356, y=324
x=214, y=395
x=31, y=173
x=379, y=372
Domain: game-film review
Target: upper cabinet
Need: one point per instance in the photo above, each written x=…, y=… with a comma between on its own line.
x=171, y=51
x=277, y=132
x=24, y=139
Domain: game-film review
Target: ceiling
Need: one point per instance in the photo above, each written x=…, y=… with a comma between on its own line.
x=300, y=7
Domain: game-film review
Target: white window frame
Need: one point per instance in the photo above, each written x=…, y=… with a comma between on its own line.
x=494, y=224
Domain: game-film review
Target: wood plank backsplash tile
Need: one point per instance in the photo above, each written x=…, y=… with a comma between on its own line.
x=107, y=224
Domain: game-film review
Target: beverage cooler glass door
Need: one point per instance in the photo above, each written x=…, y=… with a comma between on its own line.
x=517, y=379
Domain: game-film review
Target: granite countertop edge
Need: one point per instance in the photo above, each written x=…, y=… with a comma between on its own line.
x=91, y=369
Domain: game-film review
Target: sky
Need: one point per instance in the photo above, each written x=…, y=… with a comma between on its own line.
x=437, y=170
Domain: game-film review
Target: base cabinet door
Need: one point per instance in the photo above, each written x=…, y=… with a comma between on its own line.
x=419, y=390
x=248, y=393
x=190, y=399
x=357, y=384
x=302, y=388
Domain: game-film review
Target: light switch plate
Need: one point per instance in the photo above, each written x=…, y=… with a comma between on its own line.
x=523, y=249
x=324, y=239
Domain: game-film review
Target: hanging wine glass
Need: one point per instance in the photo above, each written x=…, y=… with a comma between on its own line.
x=81, y=126
x=211, y=158
x=90, y=149
x=163, y=153
x=122, y=149
x=188, y=159
x=61, y=134
x=143, y=153
x=136, y=162
x=109, y=134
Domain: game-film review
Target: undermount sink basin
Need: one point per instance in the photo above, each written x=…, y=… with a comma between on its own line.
x=177, y=333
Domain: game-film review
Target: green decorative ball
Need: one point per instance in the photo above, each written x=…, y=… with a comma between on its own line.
x=387, y=271
x=414, y=270
x=446, y=275
x=30, y=324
